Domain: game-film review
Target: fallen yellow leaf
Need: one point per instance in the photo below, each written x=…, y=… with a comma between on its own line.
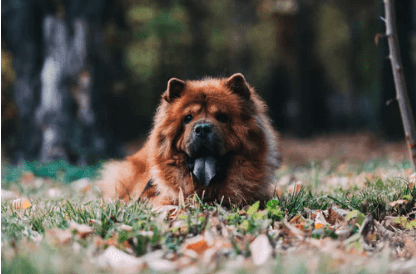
x=26, y=204
x=21, y=203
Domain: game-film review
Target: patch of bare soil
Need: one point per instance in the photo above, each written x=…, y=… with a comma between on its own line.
x=343, y=147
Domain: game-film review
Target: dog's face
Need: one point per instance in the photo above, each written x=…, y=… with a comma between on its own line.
x=205, y=130
x=208, y=120
x=204, y=139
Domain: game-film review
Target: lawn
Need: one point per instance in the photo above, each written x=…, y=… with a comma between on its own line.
x=326, y=217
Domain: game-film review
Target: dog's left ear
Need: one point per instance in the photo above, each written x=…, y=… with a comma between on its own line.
x=174, y=90
x=237, y=83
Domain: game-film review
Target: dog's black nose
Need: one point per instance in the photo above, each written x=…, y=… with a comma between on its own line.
x=202, y=130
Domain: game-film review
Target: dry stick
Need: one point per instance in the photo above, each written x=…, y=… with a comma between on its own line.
x=399, y=81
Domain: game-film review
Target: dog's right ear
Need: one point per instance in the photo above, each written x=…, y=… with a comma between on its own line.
x=175, y=89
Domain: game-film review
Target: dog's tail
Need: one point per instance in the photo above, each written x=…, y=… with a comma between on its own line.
x=117, y=180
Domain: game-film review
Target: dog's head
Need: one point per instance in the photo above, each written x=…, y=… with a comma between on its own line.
x=207, y=120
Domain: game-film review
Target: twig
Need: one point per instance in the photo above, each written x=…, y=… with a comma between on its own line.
x=399, y=81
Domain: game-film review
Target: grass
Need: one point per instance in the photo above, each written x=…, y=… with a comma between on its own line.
x=32, y=237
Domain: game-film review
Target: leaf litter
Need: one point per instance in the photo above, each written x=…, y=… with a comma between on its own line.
x=322, y=220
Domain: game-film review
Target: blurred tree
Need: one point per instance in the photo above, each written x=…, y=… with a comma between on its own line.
x=198, y=13
x=61, y=70
x=23, y=33
x=306, y=105
x=390, y=113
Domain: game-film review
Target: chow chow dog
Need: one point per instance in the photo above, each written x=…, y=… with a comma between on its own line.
x=210, y=137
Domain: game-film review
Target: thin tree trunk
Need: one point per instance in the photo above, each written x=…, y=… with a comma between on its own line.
x=399, y=80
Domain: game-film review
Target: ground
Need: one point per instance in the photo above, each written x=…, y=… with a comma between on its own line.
x=343, y=204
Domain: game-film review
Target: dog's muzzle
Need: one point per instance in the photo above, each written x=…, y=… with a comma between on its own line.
x=204, y=160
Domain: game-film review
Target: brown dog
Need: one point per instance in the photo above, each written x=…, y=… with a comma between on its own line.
x=210, y=137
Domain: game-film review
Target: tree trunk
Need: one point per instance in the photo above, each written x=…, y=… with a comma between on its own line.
x=61, y=70
x=399, y=80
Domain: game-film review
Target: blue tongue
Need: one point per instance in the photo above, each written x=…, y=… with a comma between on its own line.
x=204, y=169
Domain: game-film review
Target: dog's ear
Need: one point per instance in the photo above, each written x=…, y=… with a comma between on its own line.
x=174, y=90
x=237, y=83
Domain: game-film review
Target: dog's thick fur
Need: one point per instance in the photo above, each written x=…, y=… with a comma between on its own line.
x=210, y=137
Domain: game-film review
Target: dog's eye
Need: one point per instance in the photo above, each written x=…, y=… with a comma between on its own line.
x=187, y=119
x=223, y=118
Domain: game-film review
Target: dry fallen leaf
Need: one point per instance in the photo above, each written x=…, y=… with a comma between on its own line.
x=377, y=37
x=167, y=209
x=412, y=180
x=197, y=244
x=261, y=250
x=410, y=246
x=294, y=230
x=296, y=187
x=336, y=214
x=398, y=202
x=320, y=220
x=119, y=261
x=59, y=236
x=94, y=222
x=21, y=203
x=181, y=198
x=127, y=228
x=82, y=230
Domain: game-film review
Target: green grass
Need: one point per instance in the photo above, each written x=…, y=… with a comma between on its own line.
x=60, y=171
x=28, y=247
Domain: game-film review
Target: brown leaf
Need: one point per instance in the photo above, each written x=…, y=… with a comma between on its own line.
x=59, y=236
x=377, y=38
x=98, y=242
x=197, y=244
x=398, y=202
x=173, y=211
x=410, y=245
x=111, y=242
x=293, y=230
x=94, y=222
x=181, y=198
x=412, y=180
x=335, y=213
x=295, y=188
x=82, y=230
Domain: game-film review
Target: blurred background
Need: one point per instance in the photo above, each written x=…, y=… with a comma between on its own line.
x=81, y=79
